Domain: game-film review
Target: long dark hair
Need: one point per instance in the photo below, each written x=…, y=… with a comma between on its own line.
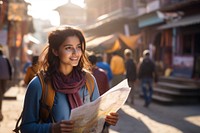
x=50, y=63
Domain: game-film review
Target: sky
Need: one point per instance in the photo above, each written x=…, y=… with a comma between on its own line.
x=43, y=9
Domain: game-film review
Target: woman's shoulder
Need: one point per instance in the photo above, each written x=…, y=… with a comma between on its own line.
x=87, y=72
x=35, y=85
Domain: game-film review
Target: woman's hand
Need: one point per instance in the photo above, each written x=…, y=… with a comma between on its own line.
x=63, y=127
x=112, y=118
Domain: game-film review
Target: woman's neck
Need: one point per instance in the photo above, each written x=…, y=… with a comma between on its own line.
x=66, y=69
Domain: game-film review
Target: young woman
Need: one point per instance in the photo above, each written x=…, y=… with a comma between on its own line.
x=64, y=65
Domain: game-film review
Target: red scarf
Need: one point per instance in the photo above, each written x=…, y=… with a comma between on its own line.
x=70, y=85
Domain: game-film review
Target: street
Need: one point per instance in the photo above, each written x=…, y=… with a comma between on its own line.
x=158, y=119
x=133, y=118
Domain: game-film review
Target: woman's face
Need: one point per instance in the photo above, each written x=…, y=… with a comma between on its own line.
x=70, y=52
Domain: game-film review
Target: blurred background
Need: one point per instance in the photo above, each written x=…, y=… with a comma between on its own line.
x=168, y=28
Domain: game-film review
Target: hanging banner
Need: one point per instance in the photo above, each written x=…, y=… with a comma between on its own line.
x=16, y=11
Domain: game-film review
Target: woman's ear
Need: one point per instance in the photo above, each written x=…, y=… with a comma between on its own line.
x=55, y=52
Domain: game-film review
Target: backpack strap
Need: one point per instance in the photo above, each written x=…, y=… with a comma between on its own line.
x=17, y=125
x=32, y=68
x=89, y=83
x=47, y=99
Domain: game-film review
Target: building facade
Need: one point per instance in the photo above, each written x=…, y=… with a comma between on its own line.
x=169, y=28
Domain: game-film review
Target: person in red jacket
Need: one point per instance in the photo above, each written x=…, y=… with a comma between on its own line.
x=100, y=75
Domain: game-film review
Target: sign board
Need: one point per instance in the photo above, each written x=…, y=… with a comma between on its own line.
x=183, y=66
x=16, y=11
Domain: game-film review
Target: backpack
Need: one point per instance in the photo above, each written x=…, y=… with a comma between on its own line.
x=48, y=95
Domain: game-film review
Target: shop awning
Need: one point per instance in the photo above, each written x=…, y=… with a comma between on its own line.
x=195, y=19
x=103, y=41
x=149, y=19
x=30, y=38
x=116, y=46
x=112, y=43
x=87, y=39
x=130, y=41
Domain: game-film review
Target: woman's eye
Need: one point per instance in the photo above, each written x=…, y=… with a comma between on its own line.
x=68, y=48
x=79, y=46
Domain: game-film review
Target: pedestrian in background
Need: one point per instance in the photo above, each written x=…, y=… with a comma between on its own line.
x=5, y=75
x=31, y=70
x=64, y=66
x=102, y=82
x=146, y=75
x=118, y=68
x=130, y=67
x=105, y=66
x=100, y=75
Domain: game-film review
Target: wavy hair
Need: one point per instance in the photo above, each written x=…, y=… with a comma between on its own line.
x=50, y=62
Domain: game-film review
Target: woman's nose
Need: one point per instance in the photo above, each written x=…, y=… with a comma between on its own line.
x=74, y=50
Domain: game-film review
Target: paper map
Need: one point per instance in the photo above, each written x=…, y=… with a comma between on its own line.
x=90, y=117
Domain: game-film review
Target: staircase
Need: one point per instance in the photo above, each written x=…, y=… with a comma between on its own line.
x=173, y=90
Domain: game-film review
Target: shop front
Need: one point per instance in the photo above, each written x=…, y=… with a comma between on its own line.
x=185, y=46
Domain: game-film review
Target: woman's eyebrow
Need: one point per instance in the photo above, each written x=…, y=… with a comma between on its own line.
x=72, y=44
x=68, y=45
